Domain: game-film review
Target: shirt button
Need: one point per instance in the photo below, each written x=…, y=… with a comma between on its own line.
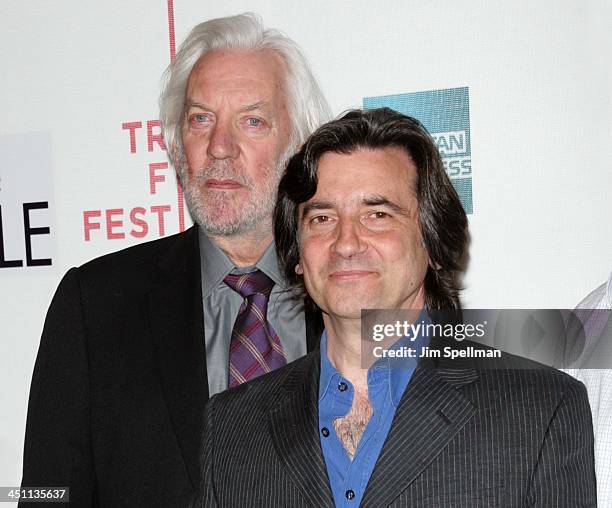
x=342, y=386
x=325, y=431
x=349, y=494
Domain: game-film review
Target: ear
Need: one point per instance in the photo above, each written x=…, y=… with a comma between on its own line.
x=298, y=269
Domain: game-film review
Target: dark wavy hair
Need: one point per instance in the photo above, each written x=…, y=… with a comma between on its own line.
x=442, y=218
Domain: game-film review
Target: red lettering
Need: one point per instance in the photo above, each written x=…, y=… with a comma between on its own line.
x=88, y=225
x=154, y=178
x=181, y=205
x=132, y=126
x=111, y=224
x=157, y=138
x=115, y=219
x=160, y=211
x=144, y=227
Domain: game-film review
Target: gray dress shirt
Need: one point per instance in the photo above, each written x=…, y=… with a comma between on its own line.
x=221, y=304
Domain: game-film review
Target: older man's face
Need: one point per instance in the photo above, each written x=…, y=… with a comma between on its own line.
x=235, y=132
x=360, y=239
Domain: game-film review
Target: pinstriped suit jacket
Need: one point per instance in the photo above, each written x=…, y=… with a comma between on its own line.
x=461, y=437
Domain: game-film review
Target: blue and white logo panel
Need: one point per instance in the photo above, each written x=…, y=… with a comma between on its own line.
x=446, y=115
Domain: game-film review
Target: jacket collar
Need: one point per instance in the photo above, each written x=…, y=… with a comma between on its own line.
x=177, y=330
x=431, y=411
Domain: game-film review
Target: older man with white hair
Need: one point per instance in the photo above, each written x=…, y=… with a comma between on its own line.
x=135, y=342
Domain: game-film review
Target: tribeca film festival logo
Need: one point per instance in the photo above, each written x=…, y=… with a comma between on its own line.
x=27, y=221
x=446, y=115
x=148, y=220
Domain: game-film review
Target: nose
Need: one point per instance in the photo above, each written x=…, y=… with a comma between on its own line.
x=348, y=241
x=222, y=143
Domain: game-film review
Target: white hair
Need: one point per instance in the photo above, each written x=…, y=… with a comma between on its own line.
x=307, y=107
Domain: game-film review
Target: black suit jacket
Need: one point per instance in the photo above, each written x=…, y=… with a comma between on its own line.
x=513, y=436
x=120, y=384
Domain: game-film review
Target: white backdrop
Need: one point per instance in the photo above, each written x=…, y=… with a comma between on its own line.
x=75, y=72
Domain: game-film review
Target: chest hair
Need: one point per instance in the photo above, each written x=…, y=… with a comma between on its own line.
x=350, y=428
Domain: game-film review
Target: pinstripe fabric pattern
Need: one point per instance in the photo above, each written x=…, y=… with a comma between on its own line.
x=463, y=437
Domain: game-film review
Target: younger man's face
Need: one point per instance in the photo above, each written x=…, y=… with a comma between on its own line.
x=360, y=238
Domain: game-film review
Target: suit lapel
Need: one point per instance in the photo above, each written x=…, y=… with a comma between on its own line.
x=430, y=413
x=175, y=315
x=294, y=430
x=177, y=329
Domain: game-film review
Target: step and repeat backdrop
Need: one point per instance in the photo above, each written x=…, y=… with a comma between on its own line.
x=517, y=96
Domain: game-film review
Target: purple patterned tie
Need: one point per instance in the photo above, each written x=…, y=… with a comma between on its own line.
x=255, y=347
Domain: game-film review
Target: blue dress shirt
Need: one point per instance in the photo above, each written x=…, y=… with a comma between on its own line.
x=387, y=381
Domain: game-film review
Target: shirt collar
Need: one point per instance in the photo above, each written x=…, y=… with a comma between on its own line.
x=401, y=369
x=268, y=264
x=328, y=371
x=395, y=372
x=215, y=265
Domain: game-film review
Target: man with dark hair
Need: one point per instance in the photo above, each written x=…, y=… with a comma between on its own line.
x=367, y=218
x=442, y=220
x=136, y=341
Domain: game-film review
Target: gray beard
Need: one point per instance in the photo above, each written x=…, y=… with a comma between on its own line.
x=212, y=214
x=218, y=213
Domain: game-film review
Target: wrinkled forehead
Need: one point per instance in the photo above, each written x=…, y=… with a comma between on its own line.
x=365, y=176
x=259, y=72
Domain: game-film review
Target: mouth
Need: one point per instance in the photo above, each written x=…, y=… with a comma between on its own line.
x=213, y=183
x=350, y=275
